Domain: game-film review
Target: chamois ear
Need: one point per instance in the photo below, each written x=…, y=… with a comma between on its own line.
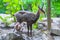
x=41, y=9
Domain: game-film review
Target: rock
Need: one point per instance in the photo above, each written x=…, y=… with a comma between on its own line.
x=55, y=25
x=0, y=38
x=42, y=26
x=2, y=24
x=39, y=35
x=3, y=36
x=56, y=37
x=47, y=37
x=12, y=25
x=13, y=36
x=55, y=28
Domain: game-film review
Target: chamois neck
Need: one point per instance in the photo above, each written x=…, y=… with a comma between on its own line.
x=37, y=16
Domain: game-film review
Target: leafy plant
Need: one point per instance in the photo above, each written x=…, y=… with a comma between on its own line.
x=16, y=5
x=2, y=7
x=55, y=8
x=5, y=20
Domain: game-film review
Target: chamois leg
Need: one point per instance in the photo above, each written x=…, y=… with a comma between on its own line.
x=31, y=30
x=28, y=30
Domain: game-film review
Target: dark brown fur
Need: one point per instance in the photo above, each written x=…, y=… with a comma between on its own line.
x=28, y=17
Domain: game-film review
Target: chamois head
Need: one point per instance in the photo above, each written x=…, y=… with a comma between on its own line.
x=40, y=10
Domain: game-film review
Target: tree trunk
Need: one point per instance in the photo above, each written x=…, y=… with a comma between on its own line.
x=49, y=14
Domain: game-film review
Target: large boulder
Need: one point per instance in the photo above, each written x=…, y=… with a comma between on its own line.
x=55, y=25
x=39, y=35
x=56, y=37
x=55, y=29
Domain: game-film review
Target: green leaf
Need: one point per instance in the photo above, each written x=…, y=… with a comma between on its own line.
x=1, y=17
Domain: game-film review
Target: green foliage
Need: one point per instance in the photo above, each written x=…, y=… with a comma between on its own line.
x=55, y=8
x=12, y=6
x=16, y=5
x=5, y=20
x=2, y=7
x=35, y=25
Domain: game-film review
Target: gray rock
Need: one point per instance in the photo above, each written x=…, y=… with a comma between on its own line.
x=47, y=37
x=42, y=26
x=55, y=25
x=2, y=24
x=12, y=25
x=56, y=37
x=13, y=36
x=37, y=35
x=55, y=29
x=2, y=36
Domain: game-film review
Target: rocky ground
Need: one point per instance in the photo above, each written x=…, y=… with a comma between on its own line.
x=38, y=35
x=8, y=34
x=5, y=34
